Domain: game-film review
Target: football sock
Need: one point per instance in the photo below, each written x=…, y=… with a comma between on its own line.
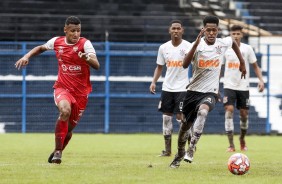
x=198, y=127
x=242, y=134
x=61, y=131
x=67, y=139
x=167, y=139
x=230, y=138
x=183, y=135
x=167, y=125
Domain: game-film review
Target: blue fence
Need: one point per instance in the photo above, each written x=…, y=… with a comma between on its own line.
x=120, y=101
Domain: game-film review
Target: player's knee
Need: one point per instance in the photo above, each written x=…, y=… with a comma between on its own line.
x=228, y=115
x=65, y=113
x=202, y=113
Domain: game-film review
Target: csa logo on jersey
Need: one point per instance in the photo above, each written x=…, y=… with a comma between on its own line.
x=61, y=49
x=75, y=48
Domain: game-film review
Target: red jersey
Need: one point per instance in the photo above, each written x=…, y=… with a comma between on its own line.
x=73, y=72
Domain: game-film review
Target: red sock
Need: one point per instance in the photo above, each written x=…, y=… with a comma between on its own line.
x=61, y=131
x=67, y=139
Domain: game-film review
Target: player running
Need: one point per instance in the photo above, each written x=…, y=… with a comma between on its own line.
x=202, y=92
x=75, y=55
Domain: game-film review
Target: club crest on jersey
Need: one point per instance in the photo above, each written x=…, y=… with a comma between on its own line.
x=75, y=48
x=61, y=49
x=218, y=49
x=182, y=52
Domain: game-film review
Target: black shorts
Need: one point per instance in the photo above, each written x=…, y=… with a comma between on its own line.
x=170, y=101
x=241, y=98
x=192, y=102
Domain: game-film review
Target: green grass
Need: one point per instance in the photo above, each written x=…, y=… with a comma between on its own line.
x=124, y=159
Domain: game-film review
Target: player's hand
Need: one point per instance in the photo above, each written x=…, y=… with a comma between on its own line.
x=153, y=88
x=260, y=86
x=200, y=36
x=21, y=63
x=83, y=55
x=242, y=69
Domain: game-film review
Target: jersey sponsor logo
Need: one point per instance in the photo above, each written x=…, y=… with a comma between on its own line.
x=174, y=64
x=71, y=68
x=208, y=63
x=233, y=65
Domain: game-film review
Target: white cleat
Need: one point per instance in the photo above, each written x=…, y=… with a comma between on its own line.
x=188, y=158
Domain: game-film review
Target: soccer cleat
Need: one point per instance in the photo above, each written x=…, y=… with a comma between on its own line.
x=243, y=145
x=189, y=155
x=177, y=159
x=230, y=149
x=165, y=154
x=57, y=158
x=50, y=157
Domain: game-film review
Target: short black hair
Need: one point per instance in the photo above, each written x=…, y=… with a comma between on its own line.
x=236, y=28
x=211, y=19
x=72, y=20
x=176, y=21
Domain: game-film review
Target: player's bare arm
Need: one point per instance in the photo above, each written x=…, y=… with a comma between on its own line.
x=242, y=67
x=91, y=59
x=188, y=58
x=157, y=74
x=25, y=59
x=259, y=75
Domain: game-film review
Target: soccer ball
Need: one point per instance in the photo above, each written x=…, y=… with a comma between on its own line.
x=238, y=164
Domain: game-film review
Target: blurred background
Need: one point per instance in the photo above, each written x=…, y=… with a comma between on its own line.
x=126, y=35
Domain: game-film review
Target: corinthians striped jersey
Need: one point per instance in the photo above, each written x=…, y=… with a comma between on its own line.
x=207, y=63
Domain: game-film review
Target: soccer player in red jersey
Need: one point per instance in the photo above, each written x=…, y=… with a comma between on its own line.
x=75, y=56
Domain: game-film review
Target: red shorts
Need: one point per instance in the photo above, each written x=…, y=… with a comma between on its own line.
x=78, y=103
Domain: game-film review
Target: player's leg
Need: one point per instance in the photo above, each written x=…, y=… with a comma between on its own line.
x=63, y=102
x=181, y=141
x=197, y=131
x=77, y=111
x=229, y=126
x=206, y=104
x=166, y=106
x=244, y=124
x=61, y=129
x=167, y=133
x=243, y=105
x=228, y=102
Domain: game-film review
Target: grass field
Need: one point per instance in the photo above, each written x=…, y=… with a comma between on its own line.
x=124, y=159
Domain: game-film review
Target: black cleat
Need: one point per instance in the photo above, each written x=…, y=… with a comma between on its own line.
x=50, y=157
x=177, y=159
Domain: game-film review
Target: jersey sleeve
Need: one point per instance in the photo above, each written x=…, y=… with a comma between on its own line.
x=88, y=48
x=160, y=58
x=252, y=56
x=228, y=41
x=49, y=45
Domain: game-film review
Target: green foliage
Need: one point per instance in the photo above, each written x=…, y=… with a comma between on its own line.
x=132, y=159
